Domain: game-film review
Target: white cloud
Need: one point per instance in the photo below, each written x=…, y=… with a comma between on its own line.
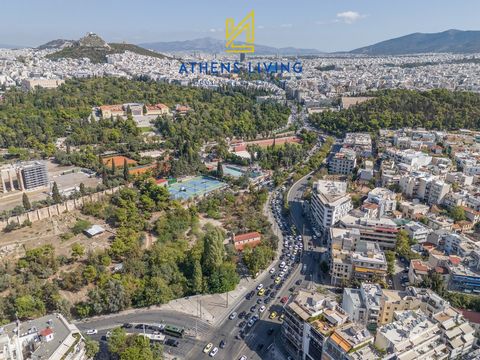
x=349, y=17
x=212, y=30
x=286, y=25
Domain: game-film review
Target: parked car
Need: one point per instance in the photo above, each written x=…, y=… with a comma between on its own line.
x=233, y=315
x=91, y=332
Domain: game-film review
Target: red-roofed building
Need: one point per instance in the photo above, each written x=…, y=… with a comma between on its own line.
x=455, y=260
x=251, y=239
x=474, y=318
x=158, y=109
x=46, y=334
x=161, y=182
x=112, y=110
x=418, y=271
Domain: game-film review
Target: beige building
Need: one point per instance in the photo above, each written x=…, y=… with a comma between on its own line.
x=392, y=301
x=31, y=84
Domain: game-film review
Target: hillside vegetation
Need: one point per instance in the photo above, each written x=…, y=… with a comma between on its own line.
x=99, y=54
x=436, y=109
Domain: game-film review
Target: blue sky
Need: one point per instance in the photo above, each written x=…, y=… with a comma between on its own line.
x=328, y=25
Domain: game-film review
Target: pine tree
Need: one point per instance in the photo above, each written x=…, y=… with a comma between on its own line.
x=197, y=278
x=125, y=169
x=144, y=110
x=220, y=169
x=114, y=167
x=26, y=202
x=57, y=198
x=82, y=189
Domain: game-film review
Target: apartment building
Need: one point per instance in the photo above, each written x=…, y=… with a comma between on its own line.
x=382, y=231
x=31, y=84
x=408, y=159
x=392, y=301
x=50, y=337
x=361, y=143
x=458, y=333
x=365, y=262
x=417, y=231
x=346, y=341
x=425, y=187
x=412, y=335
x=310, y=318
x=330, y=202
x=384, y=199
x=343, y=162
x=363, y=304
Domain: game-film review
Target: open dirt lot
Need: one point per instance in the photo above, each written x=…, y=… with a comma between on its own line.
x=49, y=231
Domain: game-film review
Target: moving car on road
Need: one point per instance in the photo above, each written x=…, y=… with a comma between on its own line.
x=91, y=332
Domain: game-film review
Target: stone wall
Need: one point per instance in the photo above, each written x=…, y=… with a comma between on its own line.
x=57, y=209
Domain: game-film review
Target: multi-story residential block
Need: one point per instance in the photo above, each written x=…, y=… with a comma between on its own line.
x=392, y=301
x=408, y=159
x=458, y=333
x=424, y=186
x=310, y=318
x=417, y=231
x=361, y=143
x=366, y=262
x=382, y=231
x=363, y=304
x=50, y=337
x=412, y=336
x=384, y=199
x=330, y=202
x=343, y=162
x=345, y=341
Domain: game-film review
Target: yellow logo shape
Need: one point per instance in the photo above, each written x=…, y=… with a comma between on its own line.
x=232, y=32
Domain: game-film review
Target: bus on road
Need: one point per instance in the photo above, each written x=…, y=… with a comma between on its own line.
x=173, y=331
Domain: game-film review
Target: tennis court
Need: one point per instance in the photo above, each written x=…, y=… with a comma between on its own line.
x=197, y=186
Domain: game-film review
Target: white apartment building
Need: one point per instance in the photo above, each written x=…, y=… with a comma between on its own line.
x=409, y=159
x=424, y=186
x=50, y=337
x=417, y=231
x=330, y=202
x=343, y=162
x=412, y=336
x=363, y=304
x=382, y=231
x=361, y=143
x=385, y=200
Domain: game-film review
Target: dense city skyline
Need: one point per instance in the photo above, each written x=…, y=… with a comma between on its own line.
x=326, y=26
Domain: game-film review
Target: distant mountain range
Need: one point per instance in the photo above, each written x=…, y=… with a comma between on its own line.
x=93, y=47
x=452, y=41
x=215, y=46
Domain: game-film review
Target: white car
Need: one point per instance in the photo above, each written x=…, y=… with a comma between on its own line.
x=282, y=264
x=285, y=269
x=244, y=357
x=272, y=271
x=262, y=308
x=259, y=286
x=281, y=273
x=91, y=332
x=233, y=315
x=214, y=351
